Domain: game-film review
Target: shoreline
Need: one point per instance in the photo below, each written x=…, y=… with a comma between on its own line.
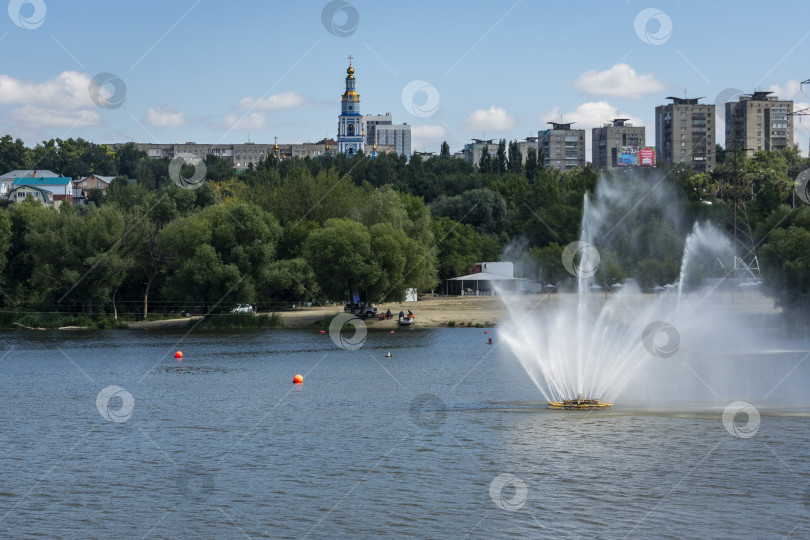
x=466, y=311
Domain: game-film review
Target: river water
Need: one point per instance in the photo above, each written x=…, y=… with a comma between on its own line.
x=448, y=438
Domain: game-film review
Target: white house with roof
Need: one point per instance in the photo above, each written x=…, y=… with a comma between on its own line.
x=6, y=180
x=60, y=187
x=19, y=194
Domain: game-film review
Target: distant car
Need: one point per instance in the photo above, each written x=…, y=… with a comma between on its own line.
x=242, y=308
x=361, y=310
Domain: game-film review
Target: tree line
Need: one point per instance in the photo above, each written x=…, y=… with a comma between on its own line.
x=317, y=230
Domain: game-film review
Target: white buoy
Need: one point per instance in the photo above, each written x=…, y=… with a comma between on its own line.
x=389, y=355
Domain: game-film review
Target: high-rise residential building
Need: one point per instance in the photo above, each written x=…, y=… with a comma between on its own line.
x=685, y=133
x=380, y=129
x=563, y=148
x=526, y=146
x=396, y=136
x=759, y=121
x=472, y=151
x=607, y=139
x=371, y=121
x=350, y=121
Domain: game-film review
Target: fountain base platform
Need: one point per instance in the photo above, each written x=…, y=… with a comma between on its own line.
x=579, y=404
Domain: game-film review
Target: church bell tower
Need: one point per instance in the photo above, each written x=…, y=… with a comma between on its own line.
x=350, y=122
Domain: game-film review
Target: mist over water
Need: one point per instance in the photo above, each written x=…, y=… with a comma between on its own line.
x=708, y=338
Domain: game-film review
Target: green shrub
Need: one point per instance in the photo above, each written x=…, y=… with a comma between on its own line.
x=234, y=321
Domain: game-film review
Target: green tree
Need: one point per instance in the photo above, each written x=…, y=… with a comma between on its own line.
x=515, y=164
x=485, y=161
x=340, y=256
x=501, y=157
x=532, y=166
x=460, y=246
x=484, y=209
x=12, y=154
x=445, y=151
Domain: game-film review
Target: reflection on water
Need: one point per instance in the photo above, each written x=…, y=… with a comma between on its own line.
x=231, y=448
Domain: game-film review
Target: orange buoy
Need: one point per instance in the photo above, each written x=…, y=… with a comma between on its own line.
x=392, y=331
x=298, y=379
x=490, y=341
x=178, y=354
x=486, y=331
x=323, y=331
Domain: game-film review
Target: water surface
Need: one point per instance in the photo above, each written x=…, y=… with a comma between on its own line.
x=222, y=445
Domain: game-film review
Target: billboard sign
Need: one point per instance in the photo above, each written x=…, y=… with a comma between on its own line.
x=646, y=156
x=635, y=156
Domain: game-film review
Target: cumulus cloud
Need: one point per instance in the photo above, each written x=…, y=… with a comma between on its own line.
x=250, y=121
x=63, y=102
x=621, y=81
x=427, y=137
x=164, y=117
x=589, y=115
x=428, y=132
x=34, y=116
x=284, y=100
x=791, y=90
x=492, y=119
x=68, y=90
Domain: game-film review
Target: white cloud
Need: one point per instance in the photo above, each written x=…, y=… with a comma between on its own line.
x=68, y=90
x=791, y=90
x=621, y=81
x=33, y=116
x=63, y=101
x=492, y=119
x=254, y=120
x=284, y=100
x=427, y=137
x=428, y=132
x=589, y=115
x=164, y=117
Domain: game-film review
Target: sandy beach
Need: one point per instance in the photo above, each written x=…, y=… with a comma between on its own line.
x=435, y=311
x=428, y=311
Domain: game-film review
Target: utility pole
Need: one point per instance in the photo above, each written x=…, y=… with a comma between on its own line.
x=737, y=189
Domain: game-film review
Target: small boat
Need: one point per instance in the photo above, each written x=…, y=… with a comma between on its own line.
x=579, y=404
x=406, y=321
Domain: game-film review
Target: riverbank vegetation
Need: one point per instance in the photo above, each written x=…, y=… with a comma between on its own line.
x=295, y=231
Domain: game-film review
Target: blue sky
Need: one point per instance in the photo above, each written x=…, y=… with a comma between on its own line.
x=227, y=72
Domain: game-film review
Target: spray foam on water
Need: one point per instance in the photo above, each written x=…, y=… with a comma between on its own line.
x=589, y=343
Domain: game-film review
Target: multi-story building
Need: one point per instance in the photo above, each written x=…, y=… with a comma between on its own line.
x=563, y=148
x=759, y=121
x=350, y=122
x=526, y=146
x=371, y=121
x=241, y=155
x=684, y=133
x=396, y=136
x=472, y=151
x=380, y=129
x=608, y=138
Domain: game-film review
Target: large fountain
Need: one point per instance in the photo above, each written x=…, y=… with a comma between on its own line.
x=581, y=348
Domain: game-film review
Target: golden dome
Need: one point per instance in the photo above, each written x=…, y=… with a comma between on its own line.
x=350, y=71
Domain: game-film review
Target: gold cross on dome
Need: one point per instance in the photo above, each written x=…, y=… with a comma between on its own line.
x=350, y=59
